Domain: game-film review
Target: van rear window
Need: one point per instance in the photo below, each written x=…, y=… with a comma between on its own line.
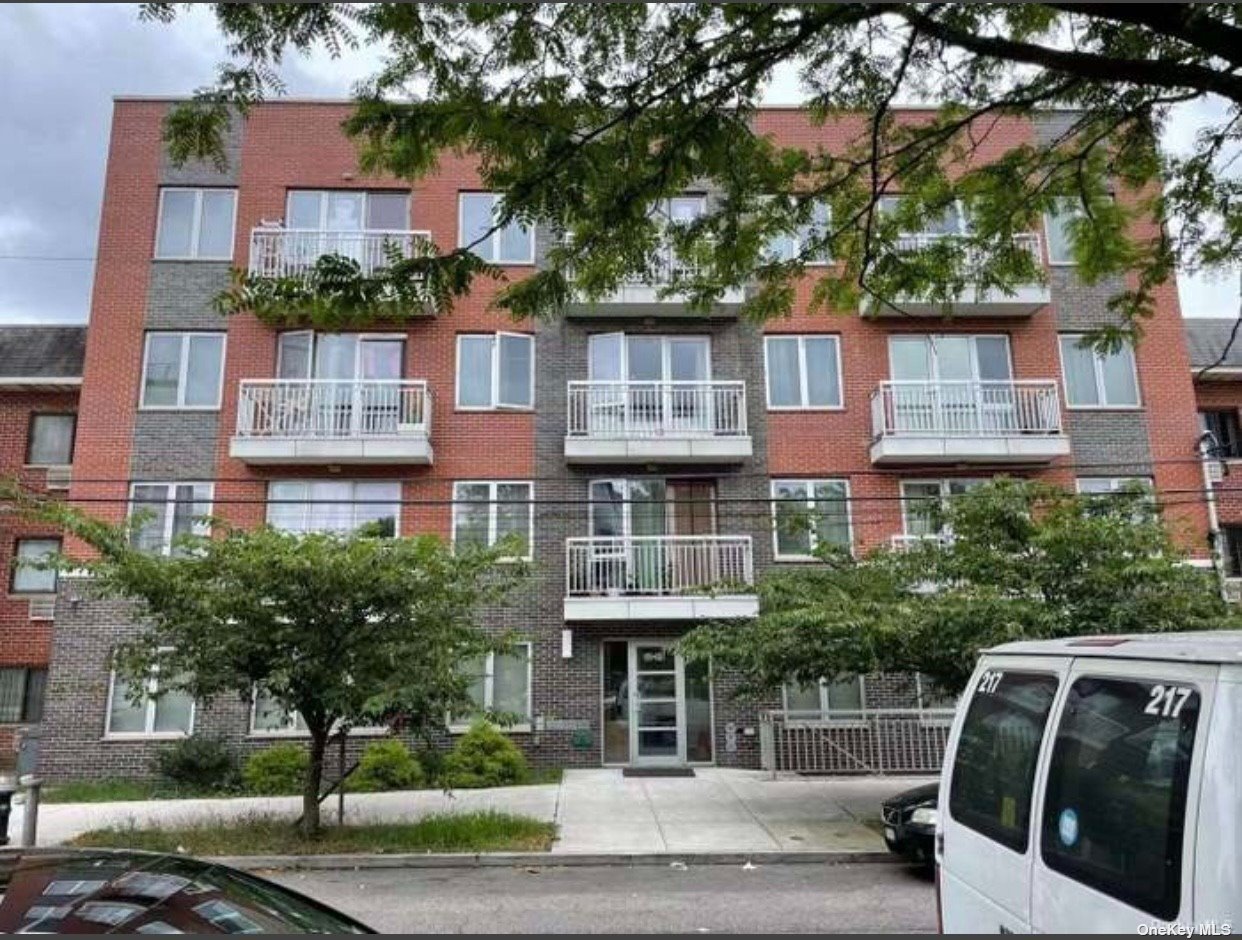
x=994, y=769
x=1115, y=811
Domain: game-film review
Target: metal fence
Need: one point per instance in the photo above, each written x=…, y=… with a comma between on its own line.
x=1029, y=242
x=889, y=741
x=965, y=409
x=657, y=564
x=329, y=409
x=276, y=252
x=630, y=410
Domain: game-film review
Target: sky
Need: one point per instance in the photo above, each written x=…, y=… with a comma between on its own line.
x=63, y=63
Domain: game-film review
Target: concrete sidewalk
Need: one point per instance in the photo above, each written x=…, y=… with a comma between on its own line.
x=597, y=811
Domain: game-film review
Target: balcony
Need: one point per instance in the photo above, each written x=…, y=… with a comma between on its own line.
x=966, y=422
x=648, y=296
x=659, y=577
x=640, y=422
x=327, y=421
x=292, y=253
x=1024, y=300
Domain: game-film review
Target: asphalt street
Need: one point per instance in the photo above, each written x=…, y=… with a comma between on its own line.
x=801, y=898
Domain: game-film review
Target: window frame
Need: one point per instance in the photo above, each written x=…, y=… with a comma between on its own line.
x=291, y=729
x=493, y=512
x=170, y=499
x=324, y=194
x=812, y=531
x=1097, y=370
x=24, y=715
x=149, y=703
x=353, y=501
x=1230, y=448
x=1231, y=549
x=460, y=724
x=796, y=237
x=945, y=484
x=30, y=437
x=196, y=223
x=494, y=237
x=1076, y=210
x=15, y=566
x=803, y=392
x=496, y=404
x=824, y=685
x=183, y=368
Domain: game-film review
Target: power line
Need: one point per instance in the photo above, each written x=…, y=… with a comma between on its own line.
x=48, y=258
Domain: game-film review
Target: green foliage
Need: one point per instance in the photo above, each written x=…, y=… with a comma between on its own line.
x=386, y=765
x=1026, y=561
x=197, y=763
x=276, y=770
x=484, y=757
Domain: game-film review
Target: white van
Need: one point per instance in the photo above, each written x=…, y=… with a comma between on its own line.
x=1095, y=785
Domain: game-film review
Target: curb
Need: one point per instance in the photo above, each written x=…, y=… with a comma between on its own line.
x=544, y=860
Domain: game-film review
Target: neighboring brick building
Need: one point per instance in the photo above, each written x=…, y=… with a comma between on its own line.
x=40, y=373
x=652, y=440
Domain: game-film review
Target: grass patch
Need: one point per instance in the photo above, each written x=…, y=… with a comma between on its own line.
x=264, y=835
x=546, y=775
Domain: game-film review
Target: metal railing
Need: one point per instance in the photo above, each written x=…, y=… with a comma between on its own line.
x=965, y=409
x=1025, y=241
x=631, y=410
x=658, y=565
x=886, y=741
x=332, y=409
x=901, y=543
x=290, y=252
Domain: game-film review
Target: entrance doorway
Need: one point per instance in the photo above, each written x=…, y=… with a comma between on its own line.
x=657, y=708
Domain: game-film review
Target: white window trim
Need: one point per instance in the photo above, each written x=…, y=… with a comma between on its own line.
x=796, y=236
x=1115, y=484
x=352, y=501
x=169, y=501
x=149, y=709
x=183, y=370
x=824, y=711
x=16, y=562
x=810, y=484
x=496, y=404
x=360, y=338
x=803, y=391
x=366, y=205
x=196, y=223
x=459, y=726
x=495, y=236
x=931, y=339
x=295, y=733
x=493, y=511
x=1097, y=368
x=943, y=483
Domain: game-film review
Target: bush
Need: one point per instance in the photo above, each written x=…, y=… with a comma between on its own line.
x=483, y=757
x=197, y=764
x=276, y=770
x=386, y=765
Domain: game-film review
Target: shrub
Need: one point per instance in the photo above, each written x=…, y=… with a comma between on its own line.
x=197, y=764
x=483, y=757
x=386, y=765
x=276, y=770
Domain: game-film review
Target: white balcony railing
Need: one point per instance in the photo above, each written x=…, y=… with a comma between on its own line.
x=965, y=409
x=638, y=410
x=286, y=252
x=330, y=409
x=1025, y=241
x=905, y=543
x=658, y=565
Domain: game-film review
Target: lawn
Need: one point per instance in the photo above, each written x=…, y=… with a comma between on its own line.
x=262, y=835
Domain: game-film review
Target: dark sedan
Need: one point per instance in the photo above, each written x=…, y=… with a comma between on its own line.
x=910, y=823
x=103, y=891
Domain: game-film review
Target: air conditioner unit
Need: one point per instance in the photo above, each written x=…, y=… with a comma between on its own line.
x=43, y=608
x=59, y=478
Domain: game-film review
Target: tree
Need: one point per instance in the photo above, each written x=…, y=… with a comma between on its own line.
x=586, y=115
x=1025, y=561
x=345, y=630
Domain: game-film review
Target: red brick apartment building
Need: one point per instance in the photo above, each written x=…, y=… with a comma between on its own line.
x=653, y=440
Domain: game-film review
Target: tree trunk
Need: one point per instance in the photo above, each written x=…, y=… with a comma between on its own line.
x=312, y=783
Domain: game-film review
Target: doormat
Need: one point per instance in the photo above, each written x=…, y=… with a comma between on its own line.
x=657, y=772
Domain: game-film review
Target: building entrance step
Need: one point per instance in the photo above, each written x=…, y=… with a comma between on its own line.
x=657, y=772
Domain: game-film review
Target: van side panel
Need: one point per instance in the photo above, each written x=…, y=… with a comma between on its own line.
x=1218, y=869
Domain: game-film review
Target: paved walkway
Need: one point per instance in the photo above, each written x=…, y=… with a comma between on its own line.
x=597, y=811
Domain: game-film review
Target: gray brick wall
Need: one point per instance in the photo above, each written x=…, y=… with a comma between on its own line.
x=205, y=172
x=174, y=445
x=180, y=295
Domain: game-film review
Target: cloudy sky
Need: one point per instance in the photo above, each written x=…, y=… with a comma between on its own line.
x=62, y=64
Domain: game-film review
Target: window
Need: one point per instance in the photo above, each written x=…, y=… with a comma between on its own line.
x=27, y=577
x=487, y=513
x=347, y=211
x=1059, y=224
x=500, y=684
x=302, y=354
x=932, y=698
x=923, y=502
x=21, y=694
x=268, y=717
x=1225, y=431
x=1231, y=550
x=73, y=887
x=183, y=370
x=334, y=506
x=1105, y=485
x=952, y=219
x=803, y=371
x=196, y=224
x=994, y=770
x=154, y=714
x=512, y=244
x=50, y=441
x=817, y=701
x=108, y=913
x=809, y=514
x=170, y=511
x=227, y=918
x=1098, y=380
x=788, y=245
x=495, y=371
x=1115, y=809
x=950, y=358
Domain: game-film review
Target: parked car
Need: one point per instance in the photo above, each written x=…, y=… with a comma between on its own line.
x=106, y=891
x=1095, y=785
x=910, y=823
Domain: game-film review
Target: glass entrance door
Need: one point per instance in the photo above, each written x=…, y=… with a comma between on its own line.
x=656, y=725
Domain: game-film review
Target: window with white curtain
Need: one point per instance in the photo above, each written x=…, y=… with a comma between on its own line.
x=1095, y=379
x=495, y=370
x=500, y=683
x=487, y=512
x=151, y=713
x=341, y=506
x=803, y=372
x=195, y=224
x=28, y=576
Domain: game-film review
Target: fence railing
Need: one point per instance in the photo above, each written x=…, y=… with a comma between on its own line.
x=1029, y=242
x=287, y=252
x=965, y=409
x=331, y=409
x=906, y=542
x=889, y=741
x=658, y=565
x=631, y=410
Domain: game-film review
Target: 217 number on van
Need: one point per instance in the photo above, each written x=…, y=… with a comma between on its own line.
x=1167, y=701
x=989, y=682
